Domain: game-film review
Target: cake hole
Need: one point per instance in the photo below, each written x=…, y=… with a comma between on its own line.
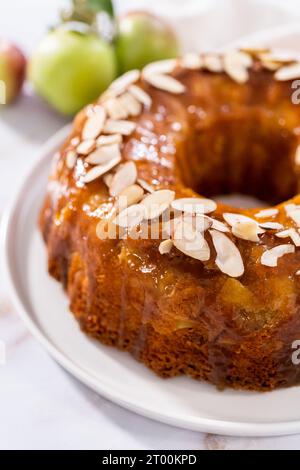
x=253, y=156
x=240, y=201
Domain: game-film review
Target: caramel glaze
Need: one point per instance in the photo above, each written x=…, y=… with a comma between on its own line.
x=175, y=314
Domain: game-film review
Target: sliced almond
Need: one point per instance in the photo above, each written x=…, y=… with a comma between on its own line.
x=103, y=154
x=270, y=62
x=119, y=127
x=271, y=226
x=140, y=95
x=213, y=63
x=129, y=196
x=115, y=108
x=291, y=207
x=242, y=58
x=200, y=221
x=295, y=216
x=283, y=58
x=146, y=186
x=228, y=259
x=71, y=158
x=75, y=141
x=270, y=257
x=107, y=95
x=165, y=247
x=191, y=61
x=100, y=170
x=86, y=146
x=293, y=211
x=130, y=217
x=108, y=179
x=132, y=106
x=156, y=203
x=109, y=139
x=297, y=272
x=220, y=226
x=297, y=156
x=290, y=233
x=124, y=177
x=295, y=237
x=236, y=65
x=160, y=67
x=232, y=219
x=266, y=213
x=190, y=242
x=165, y=83
x=194, y=205
x=94, y=124
x=289, y=72
x=255, y=51
x=122, y=83
x=246, y=231
x=284, y=233
x=270, y=65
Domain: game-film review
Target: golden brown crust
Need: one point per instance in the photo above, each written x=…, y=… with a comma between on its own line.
x=174, y=313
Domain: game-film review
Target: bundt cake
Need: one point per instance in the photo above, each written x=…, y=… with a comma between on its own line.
x=185, y=284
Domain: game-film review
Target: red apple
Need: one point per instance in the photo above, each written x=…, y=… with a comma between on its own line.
x=12, y=71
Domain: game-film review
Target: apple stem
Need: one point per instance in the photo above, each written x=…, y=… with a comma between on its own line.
x=86, y=11
x=98, y=14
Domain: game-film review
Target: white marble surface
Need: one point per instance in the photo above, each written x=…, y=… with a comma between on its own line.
x=41, y=406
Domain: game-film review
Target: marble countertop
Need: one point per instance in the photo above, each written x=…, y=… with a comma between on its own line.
x=41, y=405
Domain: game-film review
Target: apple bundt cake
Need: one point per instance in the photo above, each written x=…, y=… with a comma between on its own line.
x=150, y=262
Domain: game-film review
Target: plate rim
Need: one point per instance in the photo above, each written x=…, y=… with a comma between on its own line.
x=200, y=424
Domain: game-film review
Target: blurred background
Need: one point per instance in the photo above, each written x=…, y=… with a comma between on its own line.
x=200, y=23
x=31, y=17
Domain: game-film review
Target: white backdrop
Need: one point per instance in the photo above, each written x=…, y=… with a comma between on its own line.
x=41, y=406
x=200, y=23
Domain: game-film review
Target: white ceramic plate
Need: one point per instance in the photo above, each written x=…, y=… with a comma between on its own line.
x=44, y=308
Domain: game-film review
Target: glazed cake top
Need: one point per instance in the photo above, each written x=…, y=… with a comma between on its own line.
x=97, y=153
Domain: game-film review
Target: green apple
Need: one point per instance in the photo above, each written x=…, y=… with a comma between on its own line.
x=70, y=69
x=12, y=71
x=144, y=38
